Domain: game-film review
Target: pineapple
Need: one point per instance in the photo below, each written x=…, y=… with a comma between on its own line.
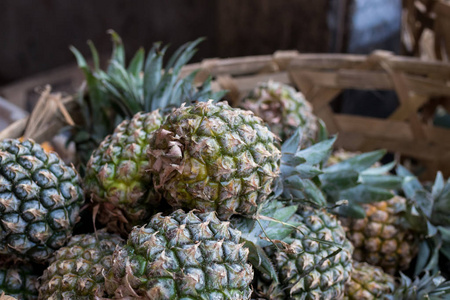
x=40, y=199
x=18, y=281
x=315, y=261
x=121, y=91
x=369, y=283
x=213, y=157
x=117, y=177
x=297, y=253
x=380, y=239
x=76, y=271
x=377, y=229
x=284, y=109
x=393, y=232
x=181, y=256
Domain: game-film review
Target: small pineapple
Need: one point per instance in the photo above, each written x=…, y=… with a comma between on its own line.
x=297, y=253
x=380, y=239
x=369, y=283
x=377, y=228
x=18, y=281
x=316, y=260
x=40, y=199
x=181, y=256
x=76, y=271
x=284, y=109
x=213, y=157
x=117, y=176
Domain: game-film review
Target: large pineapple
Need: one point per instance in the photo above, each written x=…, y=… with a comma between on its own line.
x=369, y=283
x=117, y=176
x=120, y=91
x=213, y=157
x=40, y=198
x=76, y=271
x=284, y=109
x=380, y=239
x=181, y=256
x=19, y=281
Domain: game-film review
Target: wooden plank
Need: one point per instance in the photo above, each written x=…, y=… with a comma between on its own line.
x=438, y=135
x=245, y=84
x=236, y=66
x=415, y=149
x=318, y=78
x=283, y=58
x=327, y=115
x=395, y=130
x=327, y=61
x=373, y=127
x=347, y=79
x=303, y=83
x=364, y=80
x=322, y=97
x=426, y=86
x=413, y=104
x=416, y=66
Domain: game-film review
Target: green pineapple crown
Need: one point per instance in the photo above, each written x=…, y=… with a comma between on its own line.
x=304, y=179
x=121, y=91
x=433, y=287
x=428, y=214
x=359, y=180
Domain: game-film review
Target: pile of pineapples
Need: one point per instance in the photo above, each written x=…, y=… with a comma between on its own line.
x=183, y=197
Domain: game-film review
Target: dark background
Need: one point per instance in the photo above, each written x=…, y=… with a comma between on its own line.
x=35, y=35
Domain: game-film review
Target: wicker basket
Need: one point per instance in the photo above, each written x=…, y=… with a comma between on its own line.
x=420, y=86
x=426, y=28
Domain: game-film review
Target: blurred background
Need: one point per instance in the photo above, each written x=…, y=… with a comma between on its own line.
x=36, y=38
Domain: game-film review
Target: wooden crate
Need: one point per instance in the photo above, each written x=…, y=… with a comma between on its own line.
x=321, y=77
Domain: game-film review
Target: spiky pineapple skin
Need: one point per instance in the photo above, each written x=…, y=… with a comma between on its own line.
x=181, y=256
x=284, y=109
x=213, y=157
x=76, y=271
x=369, y=283
x=379, y=239
x=19, y=281
x=117, y=177
x=40, y=199
x=309, y=269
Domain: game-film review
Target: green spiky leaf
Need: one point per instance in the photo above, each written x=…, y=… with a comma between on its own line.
x=359, y=162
